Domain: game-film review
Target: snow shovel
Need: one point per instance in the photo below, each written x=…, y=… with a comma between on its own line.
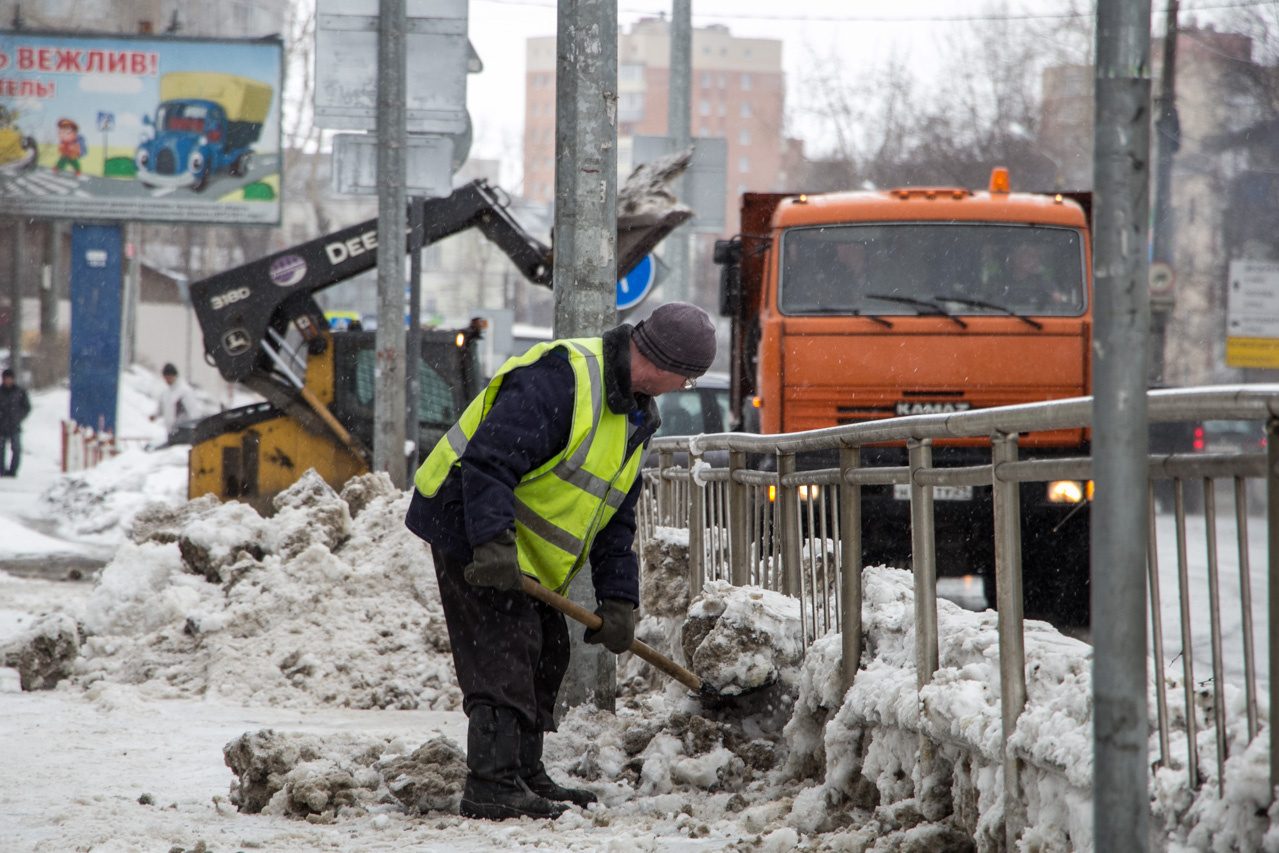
x=646, y=652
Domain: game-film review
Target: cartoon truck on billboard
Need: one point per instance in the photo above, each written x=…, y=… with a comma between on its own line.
x=206, y=123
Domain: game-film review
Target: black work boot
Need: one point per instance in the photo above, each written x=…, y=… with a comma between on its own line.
x=533, y=772
x=494, y=789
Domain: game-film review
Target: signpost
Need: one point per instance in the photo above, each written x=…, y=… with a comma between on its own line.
x=1252, y=314
x=637, y=284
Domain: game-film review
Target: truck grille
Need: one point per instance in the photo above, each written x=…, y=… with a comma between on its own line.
x=165, y=162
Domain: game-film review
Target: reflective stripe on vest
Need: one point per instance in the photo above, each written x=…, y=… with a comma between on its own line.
x=562, y=504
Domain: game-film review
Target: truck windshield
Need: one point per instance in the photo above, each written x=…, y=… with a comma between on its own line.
x=183, y=118
x=963, y=268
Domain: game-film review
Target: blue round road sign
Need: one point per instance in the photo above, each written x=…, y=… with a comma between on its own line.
x=632, y=289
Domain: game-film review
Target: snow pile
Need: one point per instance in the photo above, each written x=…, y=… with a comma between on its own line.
x=310, y=607
x=742, y=638
x=98, y=505
x=864, y=748
x=648, y=189
x=306, y=776
x=43, y=653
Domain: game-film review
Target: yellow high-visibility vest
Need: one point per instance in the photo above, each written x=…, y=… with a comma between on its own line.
x=562, y=504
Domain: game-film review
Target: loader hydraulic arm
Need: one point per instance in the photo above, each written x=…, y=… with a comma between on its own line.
x=249, y=308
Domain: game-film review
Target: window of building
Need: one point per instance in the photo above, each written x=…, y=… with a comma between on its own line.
x=704, y=132
x=722, y=108
x=704, y=108
x=630, y=72
x=746, y=109
x=744, y=138
x=723, y=81
x=743, y=164
x=706, y=80
x=746, y=78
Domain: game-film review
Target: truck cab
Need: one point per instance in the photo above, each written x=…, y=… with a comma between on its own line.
x=857, y=306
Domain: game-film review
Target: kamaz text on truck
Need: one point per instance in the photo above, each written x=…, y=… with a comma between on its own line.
x=206, y=123
x=848, y=307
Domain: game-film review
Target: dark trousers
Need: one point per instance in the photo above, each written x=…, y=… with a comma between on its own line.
x=509, y=649
x=14, y=441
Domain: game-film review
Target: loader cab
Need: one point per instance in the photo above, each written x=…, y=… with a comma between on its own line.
x=449, y=376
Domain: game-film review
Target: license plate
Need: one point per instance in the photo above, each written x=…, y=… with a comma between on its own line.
x=901, y=492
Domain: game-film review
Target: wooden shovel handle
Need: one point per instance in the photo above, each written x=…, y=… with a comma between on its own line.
x=580, y=614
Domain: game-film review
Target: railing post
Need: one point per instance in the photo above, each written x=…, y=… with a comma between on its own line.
x=739, y=559
x=1012, y=644
x=850, y=565
x=788, y=500
x=923, y=552
x=1272, y=593
x=665, y=488
x=696, y=530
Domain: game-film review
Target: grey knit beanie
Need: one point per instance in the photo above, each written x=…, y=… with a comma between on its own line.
x=678, y=337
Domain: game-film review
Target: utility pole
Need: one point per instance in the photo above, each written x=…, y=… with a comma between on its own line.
x=1121, y=204
x=1167, y=143
x=586, y=247
x=679, y=131
x=388, y=388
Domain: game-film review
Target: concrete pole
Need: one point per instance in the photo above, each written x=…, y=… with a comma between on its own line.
x=586, y=247
x=388, y=389
x=1167, y=141
x=679, y=130
x=1121, y=182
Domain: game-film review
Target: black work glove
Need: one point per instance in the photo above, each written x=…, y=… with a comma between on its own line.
x=496, y=563
x=618, y=631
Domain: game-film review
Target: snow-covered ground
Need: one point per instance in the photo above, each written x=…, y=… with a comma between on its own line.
x=209, y=625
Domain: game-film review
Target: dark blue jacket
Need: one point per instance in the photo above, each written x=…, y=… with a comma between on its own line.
x=529, y=424
x=15, y=405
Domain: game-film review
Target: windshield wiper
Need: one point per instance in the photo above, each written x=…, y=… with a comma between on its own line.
x=880, y=320
x=978, y=303
x=924, y=305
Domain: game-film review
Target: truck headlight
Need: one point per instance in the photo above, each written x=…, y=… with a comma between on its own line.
x=196, y=163
x=1065, y=492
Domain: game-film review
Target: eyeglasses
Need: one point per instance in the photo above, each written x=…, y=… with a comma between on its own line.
x=690, y=383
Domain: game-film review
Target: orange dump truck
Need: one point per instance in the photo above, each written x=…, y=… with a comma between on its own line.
x=849, y=307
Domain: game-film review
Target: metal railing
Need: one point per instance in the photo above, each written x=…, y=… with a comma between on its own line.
x=801, y=548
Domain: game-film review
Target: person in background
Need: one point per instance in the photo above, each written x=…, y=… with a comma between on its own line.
x=178, y=402
x=537, y=479
x=15, y=405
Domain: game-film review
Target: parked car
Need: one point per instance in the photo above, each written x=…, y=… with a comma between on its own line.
x=703, y=409
x=1219, y=436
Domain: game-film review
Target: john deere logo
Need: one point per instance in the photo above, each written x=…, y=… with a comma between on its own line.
x=236, y=341
x=926, y=408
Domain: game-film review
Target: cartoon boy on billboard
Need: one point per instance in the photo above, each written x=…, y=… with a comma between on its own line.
x=71, y=146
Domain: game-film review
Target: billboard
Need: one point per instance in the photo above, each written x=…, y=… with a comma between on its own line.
x=142, y=129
